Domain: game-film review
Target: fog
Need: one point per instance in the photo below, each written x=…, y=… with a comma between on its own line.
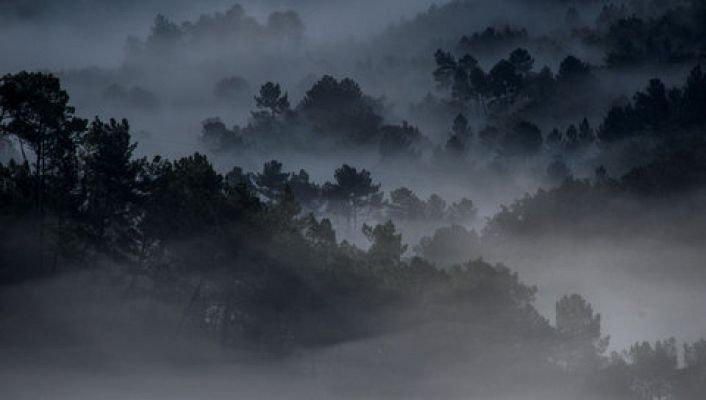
x=352, y=200
x=646, y=288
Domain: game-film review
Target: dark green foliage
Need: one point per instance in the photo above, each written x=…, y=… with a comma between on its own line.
x=188, y=188
x=574, y=140
x=459, y=142
x=164, y=34
x=352, y=185
x=445, y=71
x=554, y=140
x=35, y=110
x=352, y=191
x=449, y=245
x=610, y=14
x=681, y=171
x=693, y=380
x=525, y=139
x=692, y=102
x=218, y=138
x=490, y=137
x=522, y=61
x=550, y=211
x=572, y=69
x=386, y=246
x=572, y=137
x=272, y=100
x=462, y=212
x=286, y=25
x=404, y=204
x=110, y=188
x=618, y=124
x=340, y=112
x=653, y=368
x=466, y=81
x=250, y=264
x=511, y=82
x=400, y=142
x=652, y=107
x=583, y=208
x=166, y=37
x=491, y=38
x=321, y=232
x=586, y=136
x=580, y=330
x=307, y=193
x=504, y=79
x=658, y=112
x=675, y=36
x=272, y=180
x=18, y=188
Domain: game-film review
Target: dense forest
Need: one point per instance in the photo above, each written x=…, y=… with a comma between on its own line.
x=458, y=200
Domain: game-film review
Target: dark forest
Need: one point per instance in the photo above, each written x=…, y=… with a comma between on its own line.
x=279, y=199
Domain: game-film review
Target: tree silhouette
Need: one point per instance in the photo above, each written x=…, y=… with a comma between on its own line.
x=505, y=82
x=34, y=109
x=406, y=205
x=653, y=368
x=272, y=180
x=572, y=69
x=525, y=139
x=461, y=136
x=580, y=332
x=110, y=189
x=352, y=191
x=386, y=247
x=341, y=112
x=398, y=141
x=522, y=61
x=555, y=140
x=449, y=245
x=462, y=212
x=218, y=138
x=307, y=193
x=272, y=100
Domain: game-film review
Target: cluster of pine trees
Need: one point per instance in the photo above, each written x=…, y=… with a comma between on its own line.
x=250, y=269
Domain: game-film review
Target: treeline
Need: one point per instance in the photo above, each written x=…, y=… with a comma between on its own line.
x=659, y=112
x=235, y=27
x=255, y=272
x=352, y=195
x=511, y=90
x=665, y=115
x=510, y=81
x=336, y=113
x=502, y=95
x=492, y=39
x=595, y=206
x=333, y=114
x=648, y=33
x=635, y=33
